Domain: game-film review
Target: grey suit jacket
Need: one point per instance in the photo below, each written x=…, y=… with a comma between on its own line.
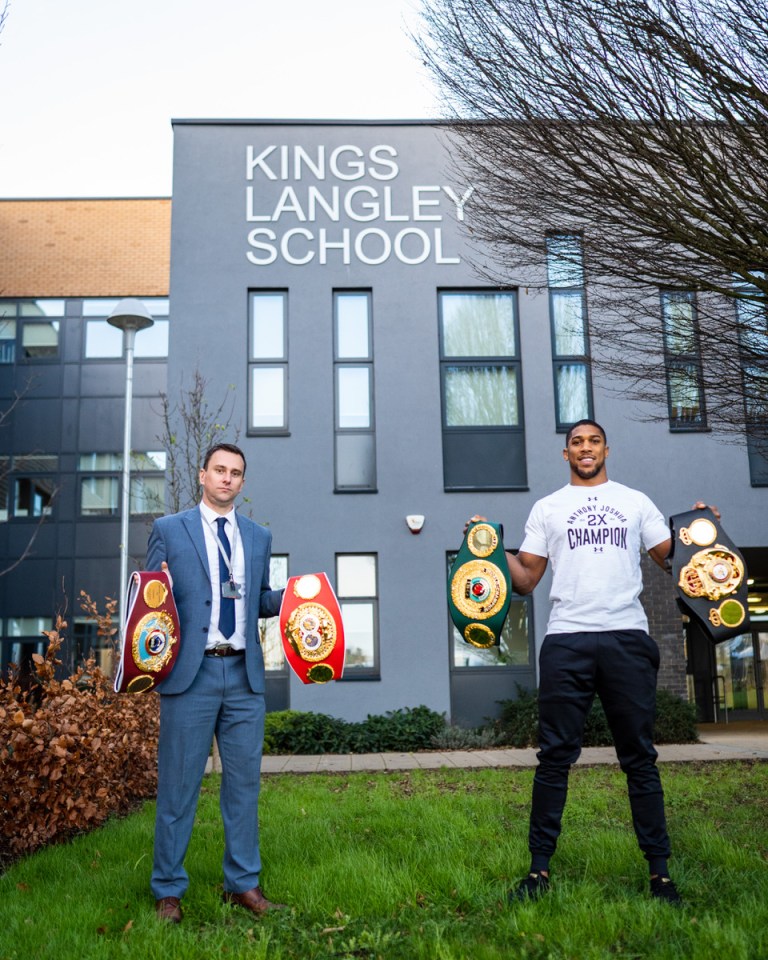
x=179, y=540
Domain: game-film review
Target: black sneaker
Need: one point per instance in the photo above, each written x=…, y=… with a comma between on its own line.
x=529, y=888
x=662, y=888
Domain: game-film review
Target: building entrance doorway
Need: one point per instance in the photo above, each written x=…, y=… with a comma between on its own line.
x=741, y=677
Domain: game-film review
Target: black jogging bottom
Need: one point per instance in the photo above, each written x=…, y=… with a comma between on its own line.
x=621, y=668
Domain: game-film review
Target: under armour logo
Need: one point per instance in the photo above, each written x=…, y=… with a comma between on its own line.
x=598, y=549
x=589, y=499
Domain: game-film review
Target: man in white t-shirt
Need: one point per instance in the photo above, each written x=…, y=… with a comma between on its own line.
x=592, y=531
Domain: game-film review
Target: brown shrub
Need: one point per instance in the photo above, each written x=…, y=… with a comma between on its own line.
x=72, y=751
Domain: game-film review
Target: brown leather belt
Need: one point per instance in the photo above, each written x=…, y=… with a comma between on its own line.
x=224, y=650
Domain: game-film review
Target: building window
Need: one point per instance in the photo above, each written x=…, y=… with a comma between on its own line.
x=34, y=485
x=514, y=649
x=101, y=479
x=570, y=335
x=23, y=639
x=357, y=591
x=87, y=643
x=481, y=378
x=268, y=362
x=5, y=469
x=682, y=357
x=7, y=338
x=269, y=627
x=753, y=347
x=105, y=342
x=355, y=438
x=30, y=329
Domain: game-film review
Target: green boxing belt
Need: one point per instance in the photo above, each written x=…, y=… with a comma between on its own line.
x=710, y=573
x=479, y=586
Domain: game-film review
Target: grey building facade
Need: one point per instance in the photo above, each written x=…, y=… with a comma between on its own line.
x=322, y=274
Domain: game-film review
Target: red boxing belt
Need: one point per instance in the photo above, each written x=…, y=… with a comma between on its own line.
x=150, y=633
x=312, y=629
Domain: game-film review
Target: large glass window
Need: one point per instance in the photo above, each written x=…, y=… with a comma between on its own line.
x=685, y=389
x=5, y=469
x=483, y=432
x=35, y=325
x=269, y=627
x=268, y=362
x=752, y=312
x=355, y=446
x=7, y=337
x=105, y=342
x=570, y=338
x=34, y=485
x=357, y=591
x=88, y=643
x=515, y=642
x=101, y=479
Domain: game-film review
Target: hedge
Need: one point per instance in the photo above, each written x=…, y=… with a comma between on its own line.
x=517, y=726
x=72, y=752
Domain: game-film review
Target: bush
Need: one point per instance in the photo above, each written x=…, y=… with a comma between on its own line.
x=411, y=728
x=460, y=738
x=518, y=723
x=406, y=730
x=72, y=752
x=291, y=731
x=675, y=719
x=519, y=720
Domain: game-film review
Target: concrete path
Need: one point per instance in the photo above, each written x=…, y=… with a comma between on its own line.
x=739, y=740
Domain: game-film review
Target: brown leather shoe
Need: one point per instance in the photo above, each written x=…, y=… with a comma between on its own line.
x=253, y=900
x=169, y=908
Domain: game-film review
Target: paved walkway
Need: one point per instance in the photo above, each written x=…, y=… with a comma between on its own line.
x=739, y=740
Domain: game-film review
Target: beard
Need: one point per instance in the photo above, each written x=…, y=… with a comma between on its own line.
x=588, y=473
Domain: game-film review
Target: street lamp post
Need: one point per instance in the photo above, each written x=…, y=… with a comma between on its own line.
x=129, y=315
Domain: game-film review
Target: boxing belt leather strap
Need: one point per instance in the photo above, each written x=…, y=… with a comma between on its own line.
x=479, y=585
x=150, y=633
x=311, y=629
x=710, y=574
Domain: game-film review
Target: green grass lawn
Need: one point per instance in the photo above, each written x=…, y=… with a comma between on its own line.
x=416, y=865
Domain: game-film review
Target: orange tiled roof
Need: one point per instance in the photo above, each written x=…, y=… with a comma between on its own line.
x=85, y=248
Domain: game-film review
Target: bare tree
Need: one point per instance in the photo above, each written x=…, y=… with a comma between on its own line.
x=641, y=125
x=190, y=426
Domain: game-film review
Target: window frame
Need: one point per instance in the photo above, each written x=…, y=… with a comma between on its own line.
x=482, y=437
x=683, y=361
x=560, y=285
x=343, y=435
x=269, y=363
x=373, y=672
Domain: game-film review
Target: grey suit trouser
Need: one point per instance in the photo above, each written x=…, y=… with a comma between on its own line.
x=219, y=701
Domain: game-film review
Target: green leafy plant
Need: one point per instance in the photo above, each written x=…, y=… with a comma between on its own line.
x=407, y=729
x=518, y=724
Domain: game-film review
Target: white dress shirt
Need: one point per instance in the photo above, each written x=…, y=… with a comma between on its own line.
x=210, y=529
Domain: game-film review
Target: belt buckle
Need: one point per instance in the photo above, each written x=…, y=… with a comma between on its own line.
x=222, y=650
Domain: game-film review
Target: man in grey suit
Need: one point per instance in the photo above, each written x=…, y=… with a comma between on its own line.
x=219, y=567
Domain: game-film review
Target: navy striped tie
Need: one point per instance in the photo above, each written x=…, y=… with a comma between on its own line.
x=227, y=604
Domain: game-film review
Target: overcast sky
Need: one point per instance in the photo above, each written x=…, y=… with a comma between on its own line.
x=88, y=88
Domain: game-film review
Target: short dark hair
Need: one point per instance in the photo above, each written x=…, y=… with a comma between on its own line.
x=229, y=447
x=582, y=423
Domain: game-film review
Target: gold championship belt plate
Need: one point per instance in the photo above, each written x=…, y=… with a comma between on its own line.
x=479, y=585
x=710, y=575
x=151, y=633
x=311, y=629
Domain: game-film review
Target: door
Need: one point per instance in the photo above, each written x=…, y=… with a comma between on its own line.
x=742, y=677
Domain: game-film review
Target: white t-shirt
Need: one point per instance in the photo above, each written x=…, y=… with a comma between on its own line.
x=593, y=536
